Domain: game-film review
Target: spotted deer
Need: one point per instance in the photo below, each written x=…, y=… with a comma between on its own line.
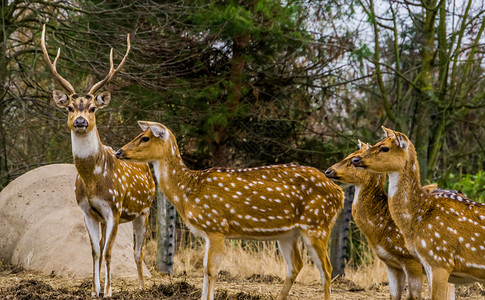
x=370, y=212
x=108, y=191
x=279, y=202
x=445, y=230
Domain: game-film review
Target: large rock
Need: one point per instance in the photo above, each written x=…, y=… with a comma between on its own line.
x=42, y=228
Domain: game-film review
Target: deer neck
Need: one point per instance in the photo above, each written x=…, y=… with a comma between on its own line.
x=175, y=179
x=89, y=154
x=405, y=196
x=370, y=201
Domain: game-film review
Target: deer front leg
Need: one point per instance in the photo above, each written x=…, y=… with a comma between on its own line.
x=214, y=244
x=318, y=249
x=397, y=280
x=291, y=254
x=140, y=228
x=92, y=225
x=109, y=236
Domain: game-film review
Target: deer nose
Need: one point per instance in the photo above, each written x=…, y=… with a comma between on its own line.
x=119, y=153
x=80, y=122
x=356, y=161
x=330, y=173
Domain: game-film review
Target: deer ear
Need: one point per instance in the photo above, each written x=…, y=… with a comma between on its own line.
x=158, y=130
x=401, y=140
x=60, y=98
x=143, y=125
x=388, y=132
x=103, y=99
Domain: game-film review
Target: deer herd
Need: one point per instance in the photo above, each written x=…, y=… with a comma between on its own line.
x=415, y=230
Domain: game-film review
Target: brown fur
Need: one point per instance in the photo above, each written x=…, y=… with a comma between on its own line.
x=107, y=189
x=444, y=229
x=370, y=211
x=272, y=202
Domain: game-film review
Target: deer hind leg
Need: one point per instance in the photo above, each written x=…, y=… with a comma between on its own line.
x=140, y=228
x=451, y=291
x=438, y=282
x=214, y=244
x=291, y=254
x=317, y=247
x=414, y=274
x=397, y=279
x=92, y=226
x=111, y=229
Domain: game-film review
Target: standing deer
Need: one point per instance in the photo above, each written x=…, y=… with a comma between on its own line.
x=370, y=211
x=108, y=191
x=279, y=202
x=445, y=230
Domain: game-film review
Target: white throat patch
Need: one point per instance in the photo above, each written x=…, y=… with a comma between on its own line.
x=356, y=194
x=393, y=183
x=85, y=145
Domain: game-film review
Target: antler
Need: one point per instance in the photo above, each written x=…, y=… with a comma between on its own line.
x=52, y=66
x=112, y=70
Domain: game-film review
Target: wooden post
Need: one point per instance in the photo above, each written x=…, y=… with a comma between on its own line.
x=339, y=237
x=166, y=219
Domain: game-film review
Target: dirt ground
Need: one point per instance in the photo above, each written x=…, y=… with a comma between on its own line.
x=16, y=283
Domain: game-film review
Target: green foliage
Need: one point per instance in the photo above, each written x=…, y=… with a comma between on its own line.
x=472, y=185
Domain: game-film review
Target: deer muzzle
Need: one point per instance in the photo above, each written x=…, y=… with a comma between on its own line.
x=330, y=173
x=80, y=123
x=119, y=154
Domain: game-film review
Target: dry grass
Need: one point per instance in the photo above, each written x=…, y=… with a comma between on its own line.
x=372, y=274
x=246, y=258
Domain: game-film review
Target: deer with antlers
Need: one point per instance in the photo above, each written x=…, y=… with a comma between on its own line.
x=108, y=191
x=444, y=229
x=279, y=202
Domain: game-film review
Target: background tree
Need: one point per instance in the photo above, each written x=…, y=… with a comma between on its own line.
x=24, y=113
x=428, y=78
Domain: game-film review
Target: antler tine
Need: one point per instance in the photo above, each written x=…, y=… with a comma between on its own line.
x=112, y=70
x=52, y=66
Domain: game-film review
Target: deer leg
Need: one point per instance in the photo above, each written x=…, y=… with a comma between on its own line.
x=291, y=254
x=414, y=274
x=397, y=279
x=140, y=228
x=438, y=282
x=214, y=244
x=92, y=226
x=101, y=245
x=451, y=291
x=109, y=236
x=318, y=249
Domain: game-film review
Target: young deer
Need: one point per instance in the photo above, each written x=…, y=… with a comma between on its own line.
x=277, y=202
x=109, y=191
x=370, y=211
x=445, y=230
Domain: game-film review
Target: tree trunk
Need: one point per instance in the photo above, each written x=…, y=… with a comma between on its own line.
x=166, y=219
x=339, y=237
x=4, y=173
x=220, y=150
x=426, y=97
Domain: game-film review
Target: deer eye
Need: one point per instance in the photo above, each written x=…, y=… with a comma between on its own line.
x=145, y=139
x=384, y=149
x=92, y=109
x=70, y=108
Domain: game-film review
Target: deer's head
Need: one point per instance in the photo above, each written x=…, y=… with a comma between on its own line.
x=389, y=155
x=81, y=108
x=155, y=143
x=345, y=171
